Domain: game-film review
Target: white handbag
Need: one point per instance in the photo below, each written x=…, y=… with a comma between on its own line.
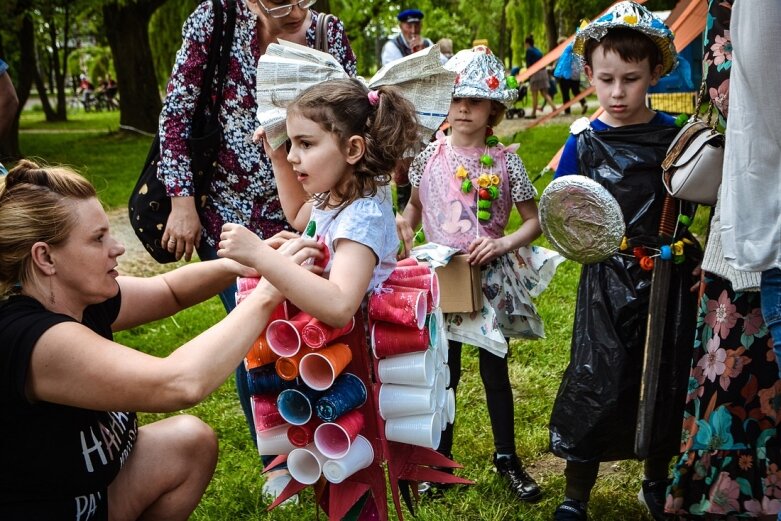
x=692, y=169
x=693, y=166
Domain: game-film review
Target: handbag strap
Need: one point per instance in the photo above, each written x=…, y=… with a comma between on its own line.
x=700, y=97
x=218, y=61
x=321, y=31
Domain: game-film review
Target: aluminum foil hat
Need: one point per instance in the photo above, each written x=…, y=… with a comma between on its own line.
x=631, y=16
x=480, y=75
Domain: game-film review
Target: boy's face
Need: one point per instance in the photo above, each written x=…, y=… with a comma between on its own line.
x=621, y=87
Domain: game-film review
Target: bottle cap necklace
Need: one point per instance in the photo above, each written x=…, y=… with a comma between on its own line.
x=487, y=189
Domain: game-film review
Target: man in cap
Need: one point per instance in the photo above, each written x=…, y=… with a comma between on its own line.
x=408, y=40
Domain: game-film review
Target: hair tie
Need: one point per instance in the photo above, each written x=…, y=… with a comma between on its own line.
x=374, y=98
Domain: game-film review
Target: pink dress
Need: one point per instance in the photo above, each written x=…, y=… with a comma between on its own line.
x=450, y=218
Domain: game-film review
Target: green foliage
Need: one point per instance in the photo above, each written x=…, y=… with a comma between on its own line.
x=97, y=61
x=90, y=143
x=165, y=35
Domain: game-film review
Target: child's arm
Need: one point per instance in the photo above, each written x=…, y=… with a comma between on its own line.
x=485, y=249
x=568, y=162
x=296, y=203
x=334, y=300
x=407, y=222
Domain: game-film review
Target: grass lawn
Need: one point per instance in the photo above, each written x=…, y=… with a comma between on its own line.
x=112, y=161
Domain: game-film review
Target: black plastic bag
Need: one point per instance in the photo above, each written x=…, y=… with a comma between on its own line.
x=595, y=411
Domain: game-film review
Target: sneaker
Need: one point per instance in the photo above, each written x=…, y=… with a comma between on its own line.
x=570, y=510
x=275, y=484
x=521, y=483
x=653, y=495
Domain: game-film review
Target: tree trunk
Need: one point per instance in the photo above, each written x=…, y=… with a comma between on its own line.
x=501, y=52
x=126, y=25
x=59, y=113
x=551, y=30
x=9, y=146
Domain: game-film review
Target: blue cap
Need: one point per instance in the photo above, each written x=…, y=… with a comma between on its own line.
x=410, y=15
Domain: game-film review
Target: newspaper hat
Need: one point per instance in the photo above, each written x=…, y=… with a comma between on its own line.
x=480, y=75
x=631, y=16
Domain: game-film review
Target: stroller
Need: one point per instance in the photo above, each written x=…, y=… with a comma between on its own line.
x=517, y=109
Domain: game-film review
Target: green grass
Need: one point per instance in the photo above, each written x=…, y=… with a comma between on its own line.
x=113, y=161
x=91, y=143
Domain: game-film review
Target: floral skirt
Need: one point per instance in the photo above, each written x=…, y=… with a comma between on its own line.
x=730, y=462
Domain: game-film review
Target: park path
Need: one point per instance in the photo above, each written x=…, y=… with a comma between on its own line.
x=136, y=260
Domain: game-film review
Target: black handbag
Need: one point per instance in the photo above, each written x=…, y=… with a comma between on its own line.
x=149, y=205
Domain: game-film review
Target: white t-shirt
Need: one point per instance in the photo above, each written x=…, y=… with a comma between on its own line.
x=368, y=221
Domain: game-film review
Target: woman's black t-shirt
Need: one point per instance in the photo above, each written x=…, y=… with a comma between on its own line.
x=56, y=461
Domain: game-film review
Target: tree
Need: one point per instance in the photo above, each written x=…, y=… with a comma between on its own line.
x=165, y=35
x=126, y=25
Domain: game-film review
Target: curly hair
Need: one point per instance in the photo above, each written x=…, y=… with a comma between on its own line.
x=35, y=206
x=389, y=128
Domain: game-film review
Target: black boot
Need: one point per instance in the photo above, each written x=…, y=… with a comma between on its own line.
x=521, y=483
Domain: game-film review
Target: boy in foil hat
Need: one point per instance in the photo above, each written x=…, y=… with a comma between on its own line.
x=464, y=188
x=595, y=413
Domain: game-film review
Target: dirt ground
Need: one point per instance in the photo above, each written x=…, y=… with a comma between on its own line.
x=136, y=260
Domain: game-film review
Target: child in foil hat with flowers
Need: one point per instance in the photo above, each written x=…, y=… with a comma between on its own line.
x=464, y=188
x=594, y=417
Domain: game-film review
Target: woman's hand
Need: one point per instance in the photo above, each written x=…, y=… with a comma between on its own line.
x=406, y=235
x=182, y=233
x=485, y=249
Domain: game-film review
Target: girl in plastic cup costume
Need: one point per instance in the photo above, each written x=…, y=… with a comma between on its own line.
x=464, y=188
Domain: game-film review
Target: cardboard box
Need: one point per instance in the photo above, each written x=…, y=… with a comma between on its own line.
x=460, y=286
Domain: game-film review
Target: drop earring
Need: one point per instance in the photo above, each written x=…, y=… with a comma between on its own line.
x=51, y=288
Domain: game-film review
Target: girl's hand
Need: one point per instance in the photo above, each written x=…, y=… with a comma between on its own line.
x=239, y=244
x=280, y=154
x=485, y=249
x=406, y=235
x=277, y=240
x=300, y=249
x=699, y=274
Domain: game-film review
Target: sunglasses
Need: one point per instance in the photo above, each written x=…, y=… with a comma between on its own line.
x=284, y=10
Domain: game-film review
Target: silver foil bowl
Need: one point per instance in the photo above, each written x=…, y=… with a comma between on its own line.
x=581, y=219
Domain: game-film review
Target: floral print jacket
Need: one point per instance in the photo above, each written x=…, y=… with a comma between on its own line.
x=242, y=189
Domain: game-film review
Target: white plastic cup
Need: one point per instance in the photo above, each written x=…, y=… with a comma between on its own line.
x=422, y=430
x=408, y=369
x=360, y=456
x=274, y=441
x=305, y=464
x=450, y=406
x=444, y=348
x=440, y=390
x=445, y=369
x=405, y=400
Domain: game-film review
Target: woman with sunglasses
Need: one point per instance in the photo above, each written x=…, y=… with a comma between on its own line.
x=242, y=189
